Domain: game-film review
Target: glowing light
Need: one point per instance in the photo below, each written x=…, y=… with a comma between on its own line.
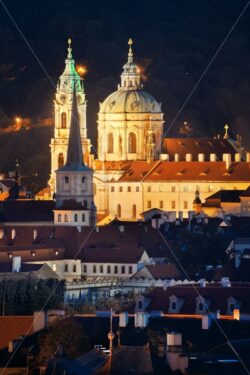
x=18, y=120
x=138, y=70
x=81, y=70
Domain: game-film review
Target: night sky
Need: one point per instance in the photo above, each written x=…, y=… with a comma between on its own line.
x=174, y=40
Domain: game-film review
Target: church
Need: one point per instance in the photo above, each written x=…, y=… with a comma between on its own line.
x=136, y=170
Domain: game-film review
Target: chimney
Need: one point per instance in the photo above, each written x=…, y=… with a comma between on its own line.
x=227, y=158
x=164, y=157
x=16, y=264
x=212, y=157
x=201, y=157
x=237, y=158
x=13, y=234
x=176, y=157
x=35, y=233
x=188, y=157
x=248, y=157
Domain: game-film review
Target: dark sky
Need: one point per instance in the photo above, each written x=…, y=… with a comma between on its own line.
x=174, y=40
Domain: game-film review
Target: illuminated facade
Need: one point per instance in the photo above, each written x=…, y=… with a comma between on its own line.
x=63, y=105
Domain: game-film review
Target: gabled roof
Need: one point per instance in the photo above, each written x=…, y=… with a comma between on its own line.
x=159, y=271
x=70, y=205
x=195, y=146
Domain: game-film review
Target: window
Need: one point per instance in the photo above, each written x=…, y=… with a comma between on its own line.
x=83, y=217
x=83, y=179
x=185, y=188
x=74, y=267
x=173, y=205
x=173, y=189
x=115, y=269
x=132, y=143
x=130, y=270
x=123, y=269
x=120, y=189
x=54, y=267
x=59, y=218
x=112, y=189
x=137, y=189
x=110, y=143
x=134, y=211
x=94, y=269
x=108, y=269
x=65, y=218
x=174, y=306
x=60, y=160
x=85, y=268
x=63, y=120
x=200, y=306
x=119, y=211
x=129, y=189
x=149, y=189
x=101, y=269
x=85, y=204
x=75, y=218
x=66, y=179
x=185, y=204
x=140, y=305
x=66, y=268
x=210, y=189
x=161, y=204
x=149, y=204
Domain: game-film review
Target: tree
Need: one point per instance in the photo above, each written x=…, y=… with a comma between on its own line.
x=68, y=334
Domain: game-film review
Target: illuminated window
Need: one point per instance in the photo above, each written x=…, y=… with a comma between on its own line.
x=129, y=189
x=161, y=204
x=132, y=143
x=173, y=189
x=149, y=204
x=63, y=120
x=210, y=189
x=120, y=189
x=60, y=160
x=59, y=218
x=119, y=211
x=54, y=267
x=112, y=189
x=185, y=204
x=110, y=143
x=173, y=205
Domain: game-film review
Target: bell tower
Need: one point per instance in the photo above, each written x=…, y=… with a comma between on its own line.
x=63, y=107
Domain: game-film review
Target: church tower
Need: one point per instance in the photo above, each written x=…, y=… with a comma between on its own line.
x=63, y=104
x=74, y=180
x=126, y=116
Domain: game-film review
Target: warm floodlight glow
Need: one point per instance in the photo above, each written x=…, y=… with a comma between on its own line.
x=81, y=70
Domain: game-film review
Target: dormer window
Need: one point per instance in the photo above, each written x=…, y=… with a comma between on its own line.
x=232, y=304
x=66, y=179
x=201, y=305
x=175, y=304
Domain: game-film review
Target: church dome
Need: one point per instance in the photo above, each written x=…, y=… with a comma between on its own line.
x=130, y=101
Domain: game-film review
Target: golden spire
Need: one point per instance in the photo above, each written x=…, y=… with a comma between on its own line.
x=111, y=335
x=130, y=52
x=226, y=127
x=69, y=49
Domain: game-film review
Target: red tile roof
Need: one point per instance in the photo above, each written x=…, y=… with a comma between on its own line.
x=11, y=327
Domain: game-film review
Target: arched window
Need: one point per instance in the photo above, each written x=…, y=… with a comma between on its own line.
x=63, y=120
x=132, y=143
x=119, y=211
x=110, y=143
x=60, y=160
x=134, y=211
